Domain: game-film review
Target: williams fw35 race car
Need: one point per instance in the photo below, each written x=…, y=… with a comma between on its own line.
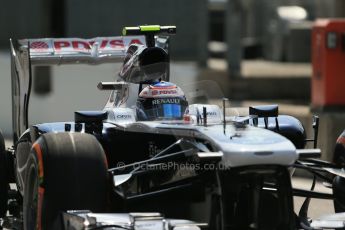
x=160, y=163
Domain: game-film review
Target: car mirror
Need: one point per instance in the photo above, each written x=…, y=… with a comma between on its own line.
x=264, y=110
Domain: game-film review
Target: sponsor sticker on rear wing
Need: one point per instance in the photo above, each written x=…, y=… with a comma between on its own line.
x=51, y=51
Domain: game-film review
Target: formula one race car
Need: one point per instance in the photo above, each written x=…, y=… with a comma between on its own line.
x=160, y=164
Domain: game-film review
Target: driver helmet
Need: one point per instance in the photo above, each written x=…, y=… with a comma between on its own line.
x=161, y=101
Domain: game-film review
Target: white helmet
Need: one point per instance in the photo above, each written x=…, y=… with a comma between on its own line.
x=161, y=101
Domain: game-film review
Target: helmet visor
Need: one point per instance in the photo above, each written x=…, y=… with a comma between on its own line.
x=164, y=108
x=171, y=110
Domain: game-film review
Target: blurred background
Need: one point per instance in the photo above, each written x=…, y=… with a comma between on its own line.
x=253, y=51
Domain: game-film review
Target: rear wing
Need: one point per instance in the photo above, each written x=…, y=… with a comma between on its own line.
x=50, y=51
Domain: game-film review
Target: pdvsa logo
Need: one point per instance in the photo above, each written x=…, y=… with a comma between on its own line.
x=39, y=45
x=167, y=92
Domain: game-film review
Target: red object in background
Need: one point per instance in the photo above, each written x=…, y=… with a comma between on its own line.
x=328, y=60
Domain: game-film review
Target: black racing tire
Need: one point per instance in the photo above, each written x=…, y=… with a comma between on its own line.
x=66, y=171
x=4, y=185
x=339, y=151
x=339, y=194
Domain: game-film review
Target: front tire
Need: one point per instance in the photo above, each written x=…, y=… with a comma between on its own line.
x=4, y=185
x=66, y=171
